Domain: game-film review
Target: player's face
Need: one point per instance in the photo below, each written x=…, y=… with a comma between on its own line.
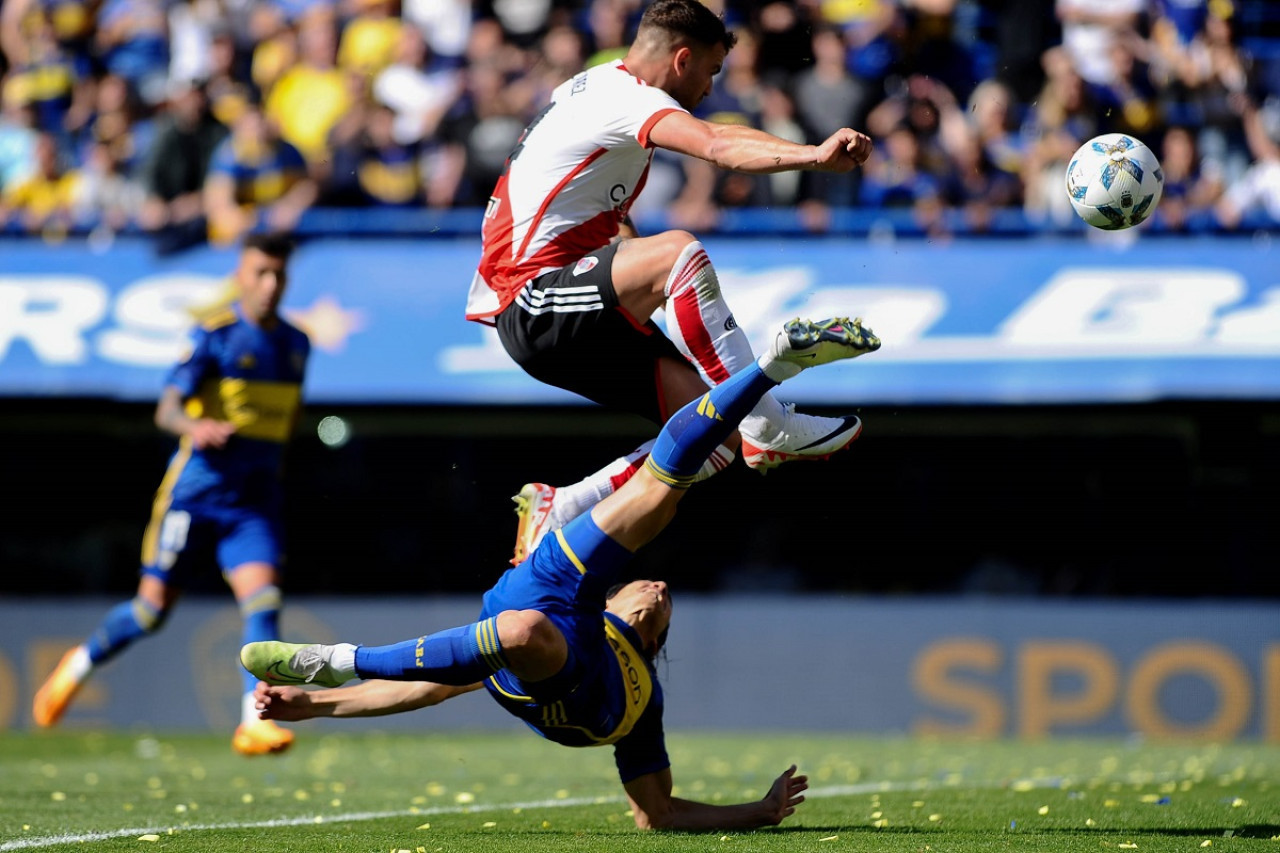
x=700, y=69
x=262, y=280
x=645, y=606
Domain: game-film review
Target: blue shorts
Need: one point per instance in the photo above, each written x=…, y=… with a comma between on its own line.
x=232, y=536
x=566, y=579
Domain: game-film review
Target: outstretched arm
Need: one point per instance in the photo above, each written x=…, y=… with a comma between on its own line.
x=746, y=149
x=373, y=698
x=655, y=808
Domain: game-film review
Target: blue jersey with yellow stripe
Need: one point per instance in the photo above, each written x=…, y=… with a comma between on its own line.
x=607, y=692
x=252, y=377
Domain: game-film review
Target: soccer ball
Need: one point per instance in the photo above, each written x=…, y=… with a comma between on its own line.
x=1114, y=181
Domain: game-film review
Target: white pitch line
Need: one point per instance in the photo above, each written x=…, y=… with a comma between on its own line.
x=36, y=842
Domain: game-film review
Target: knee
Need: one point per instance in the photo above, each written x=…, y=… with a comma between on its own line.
x=528, y=633
x=678, y=242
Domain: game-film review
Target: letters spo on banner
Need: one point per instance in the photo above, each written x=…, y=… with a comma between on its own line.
x=985, y=322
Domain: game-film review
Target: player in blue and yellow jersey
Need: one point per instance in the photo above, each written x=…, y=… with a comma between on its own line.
x=560, y=643
x=233, y=402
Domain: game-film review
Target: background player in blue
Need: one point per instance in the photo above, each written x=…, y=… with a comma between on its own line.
x=233, y=403
x=560, y=644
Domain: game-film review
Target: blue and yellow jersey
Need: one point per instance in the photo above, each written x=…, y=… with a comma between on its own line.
x=251, y=377
x=608, y=692
x=261, y=173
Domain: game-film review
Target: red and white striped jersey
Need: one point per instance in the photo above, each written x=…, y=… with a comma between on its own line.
x=568, y=183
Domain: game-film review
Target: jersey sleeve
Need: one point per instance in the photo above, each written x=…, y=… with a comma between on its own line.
x=636, y=108
x=223, y=161
x=188, y=373
x=644, y=749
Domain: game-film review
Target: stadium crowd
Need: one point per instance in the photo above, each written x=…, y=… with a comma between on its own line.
x=196, y=120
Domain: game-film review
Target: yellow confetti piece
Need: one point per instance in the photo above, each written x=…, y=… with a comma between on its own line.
x=57, y=796
x=180, y=808
x=1024, y=785
x=425, y=826
x=246, y=798
x=1239, y=802
x=1150, y=798
x=151, y=836
x=917, y=804
x=1208, y=842
x=875, y=815
x=724, y=838
x=1110, y=804
x=880, y=824
x=464, y=797
x=489, y=824
x=1042, y=810
x=419, y=800
x=830, y=838
x=546, y=824
x=1128, y=845
x=26, y=827
x=562, y=794
x=934, y=818
x=419, y=850
x=318, y=819
x=1090, y=822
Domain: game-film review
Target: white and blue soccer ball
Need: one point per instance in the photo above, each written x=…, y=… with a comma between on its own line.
x=1114, y=181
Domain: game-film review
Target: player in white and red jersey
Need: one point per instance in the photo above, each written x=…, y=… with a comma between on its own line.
x=572, y=288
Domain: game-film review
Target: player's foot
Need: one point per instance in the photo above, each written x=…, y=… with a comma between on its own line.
x=293, y=663
x=533, y=508
x=55, y=695
x=800, y=437
x=261, y=737
x=807, y=343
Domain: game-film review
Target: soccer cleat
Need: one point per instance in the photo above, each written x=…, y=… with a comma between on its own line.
x=55, y=695
x=533, y=508
x=261, y=737
x=292, y=663
x=800, y=437
x=807, y=343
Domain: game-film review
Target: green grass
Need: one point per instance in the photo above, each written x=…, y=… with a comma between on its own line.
x=370, y=792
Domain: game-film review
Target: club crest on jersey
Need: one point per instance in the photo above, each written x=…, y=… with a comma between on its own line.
x=247, y=361
x=585, y=265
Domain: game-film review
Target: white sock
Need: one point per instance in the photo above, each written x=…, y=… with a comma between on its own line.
x=703, y=329
x=572, y=501
x=80, y=665
x=343, y=659
x=248, y=713
x=776, y=369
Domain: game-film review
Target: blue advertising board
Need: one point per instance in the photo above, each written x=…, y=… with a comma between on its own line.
x=969, y=321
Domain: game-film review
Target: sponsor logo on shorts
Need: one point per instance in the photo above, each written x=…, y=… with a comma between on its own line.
x=585, y=265
x=730, y=324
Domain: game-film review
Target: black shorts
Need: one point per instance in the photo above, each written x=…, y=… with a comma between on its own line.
x=567, y=329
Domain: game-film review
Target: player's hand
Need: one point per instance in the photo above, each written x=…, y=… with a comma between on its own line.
x=843, y=150
x=209, y=434
x=787, y=793
x=288, y=703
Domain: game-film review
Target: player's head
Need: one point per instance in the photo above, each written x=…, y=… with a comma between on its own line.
x=645, y=606
x=691, y=40
x=262, y=274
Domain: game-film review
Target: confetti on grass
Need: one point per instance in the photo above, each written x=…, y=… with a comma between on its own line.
x=149, y=837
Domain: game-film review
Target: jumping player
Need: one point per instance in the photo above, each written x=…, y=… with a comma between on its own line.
x=233, y=402
x=559, y=643
x=572, y=288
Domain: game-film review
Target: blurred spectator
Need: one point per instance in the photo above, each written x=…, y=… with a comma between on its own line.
x=311, y=96
x=486, y=130
x=1127, y=101
x=1062, y=118
x=445, y=24
x=174, y=173
x=895, y=176
x=370, y=38
x=46, y=201
x=609, y=30
x=370, y=167
x=1024, y=29
x=991, y=114
x=255, y=177
x=108, y=201
x=227, y=88
x=785, y=39
x=115, y=122
x=44, y=75
x=18, y=137
x=133, y=41
x=1090, y=28
x=1191, y=184
x=416, y=89
x=827, y=98
x=192, y=27
x=1258, y=189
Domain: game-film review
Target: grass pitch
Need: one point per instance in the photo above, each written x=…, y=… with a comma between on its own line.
x=512, y=793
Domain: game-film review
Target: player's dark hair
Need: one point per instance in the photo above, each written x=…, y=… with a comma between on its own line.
x=662, y=638
x=685, y=19
x=271, y=243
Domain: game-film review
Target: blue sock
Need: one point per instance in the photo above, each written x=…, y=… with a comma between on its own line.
x=692, y=433
x=260, y=620
x=456, y=656
x=123, y=624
